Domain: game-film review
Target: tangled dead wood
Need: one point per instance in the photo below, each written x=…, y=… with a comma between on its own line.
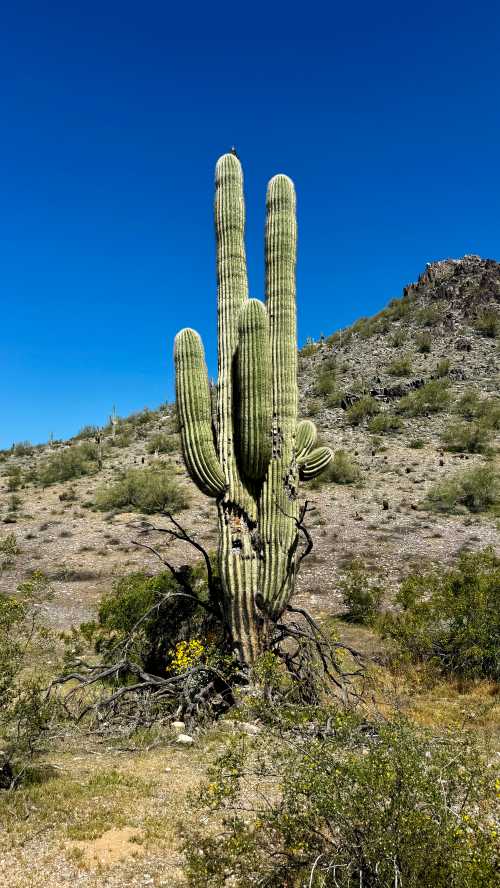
x=314, y=661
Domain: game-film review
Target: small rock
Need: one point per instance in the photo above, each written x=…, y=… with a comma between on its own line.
x=385, y=505
x=184, y=740
x=178, y=726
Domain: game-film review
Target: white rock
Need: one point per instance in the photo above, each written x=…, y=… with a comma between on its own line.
x=185, y=739
x=178, y=726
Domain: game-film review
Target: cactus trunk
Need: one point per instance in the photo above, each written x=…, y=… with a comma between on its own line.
x=252, y=461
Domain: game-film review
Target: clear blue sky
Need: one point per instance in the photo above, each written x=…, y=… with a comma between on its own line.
x=386, y=115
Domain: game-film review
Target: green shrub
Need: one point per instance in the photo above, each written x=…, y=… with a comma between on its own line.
x=163, y=443
x=416, y=443
x=488, y=322
x=342, y=469
x=399, y=308
x=64, y=465
x=313, y=406
x=429, y=316
x=167, y=616
x=385, y=423
x=398, y=338
x=452, y=617
x=424, y=342
x=25, y=712
x=486, y=410
x=442, y=368
x=361, y=410
x=400, y=366
x=391, y=805
x=23, y=448
x=148, y=490
x=325, y=383
x=477, y=490
x=467, y=437
x=432, y=397
x=362, y=596
x=14, y=477
x=489, y=412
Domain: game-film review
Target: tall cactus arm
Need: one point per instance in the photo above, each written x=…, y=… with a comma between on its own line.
x=254, y=408
x=315, y=462
x=281, y=248
x=232, y=292
x=306, y=438
x=195, y=415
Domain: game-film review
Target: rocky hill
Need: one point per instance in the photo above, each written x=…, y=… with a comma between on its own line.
x=409, y=397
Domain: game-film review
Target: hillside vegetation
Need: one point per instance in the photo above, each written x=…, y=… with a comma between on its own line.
x=406, y=529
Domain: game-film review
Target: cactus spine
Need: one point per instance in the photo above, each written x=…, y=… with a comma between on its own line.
x=251, y=462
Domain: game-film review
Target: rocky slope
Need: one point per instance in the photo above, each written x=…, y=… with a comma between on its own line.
x=358, y=385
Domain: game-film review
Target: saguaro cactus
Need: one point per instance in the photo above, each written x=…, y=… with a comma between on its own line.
x=252, y=460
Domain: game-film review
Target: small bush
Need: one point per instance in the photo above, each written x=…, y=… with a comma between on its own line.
x=148, y=490
x=390, y=805
x=23, y=448
x=88, y=431
x=14, y=478
x=488, y=323
x=313, y=406
x=400, y=366
x=361, y=410
x=385, y=423
x=452, y=617
x=361, y=595
x=163, y=443
x=424, y=342
x=398, y=338
x=477, y=490
x=73, y=462
x=442, y=368
x=432, y=397
x=429, y=316
x=340, y=470
x=416, y=443
x=467, y=437
x=25, y=712
x=486, y=410
x=309, y=349
x=167, y=617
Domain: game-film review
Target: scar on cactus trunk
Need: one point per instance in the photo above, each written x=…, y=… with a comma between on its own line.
x=251, y=462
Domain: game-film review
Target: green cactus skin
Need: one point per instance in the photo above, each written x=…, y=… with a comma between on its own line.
x=254, y=407
x=306, y=437
x=261, y=449
x=195, y=415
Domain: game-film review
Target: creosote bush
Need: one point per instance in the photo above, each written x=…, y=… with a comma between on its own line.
x=149, y=490
x=168, y=618
x=385, y=423
x=400, y=366
x=361, y=594
x=378, y=805
x=72, y=462
x=451, y=618
x=475, y=490
x=361, y=410
x=424, y=342
x=163, y=443
x=467, y=437
x=25, y=713
x=488, y=323
x=341, y=470
x=432, y=397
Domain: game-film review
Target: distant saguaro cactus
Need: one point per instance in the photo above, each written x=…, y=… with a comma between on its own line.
x=252, y=460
